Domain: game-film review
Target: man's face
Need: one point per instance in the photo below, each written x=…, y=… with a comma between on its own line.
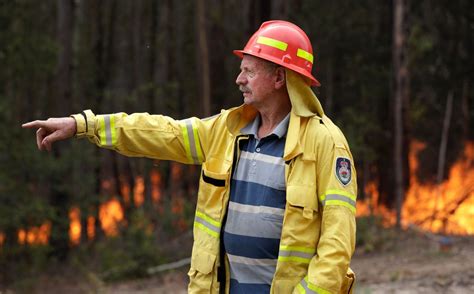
x=256, y=80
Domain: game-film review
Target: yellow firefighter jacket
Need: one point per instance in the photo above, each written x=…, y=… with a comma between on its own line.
x=318, y=235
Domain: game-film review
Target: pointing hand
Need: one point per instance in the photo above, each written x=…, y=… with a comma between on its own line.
x=52, y=130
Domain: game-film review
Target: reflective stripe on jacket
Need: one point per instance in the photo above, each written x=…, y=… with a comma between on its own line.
x=318, y=234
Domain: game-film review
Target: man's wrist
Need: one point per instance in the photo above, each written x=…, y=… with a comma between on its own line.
x=81, y=123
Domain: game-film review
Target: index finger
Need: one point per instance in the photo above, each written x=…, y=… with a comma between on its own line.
x=33, y=124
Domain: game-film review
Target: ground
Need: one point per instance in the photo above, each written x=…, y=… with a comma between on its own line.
x=417, y=263
x=414, y=263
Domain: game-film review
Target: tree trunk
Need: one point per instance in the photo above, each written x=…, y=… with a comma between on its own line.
x=64, y=69
x=400, y=91
x=465, y=109
x=203, y=58
x=442, y=153
x=137, y=41
x=329, y=86
x=444, y=138
x=152, y=56
x=280, y=9
x=59, y=240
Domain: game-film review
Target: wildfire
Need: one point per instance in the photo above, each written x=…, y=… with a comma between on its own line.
x=125, y=190
x=35, y=235
x=447, y=207
x=2, y=239
x=139, y=191
x=155, y=179
x=110, y=214
x=75, y=226
x=90, y=227
x=370, y=206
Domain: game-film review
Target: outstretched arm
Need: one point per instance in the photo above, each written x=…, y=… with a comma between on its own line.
x=137, y=135
x=52, y=130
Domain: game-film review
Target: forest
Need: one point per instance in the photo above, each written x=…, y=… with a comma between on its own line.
x=396, y=77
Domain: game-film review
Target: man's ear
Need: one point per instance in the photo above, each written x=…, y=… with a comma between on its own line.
x=280, y=78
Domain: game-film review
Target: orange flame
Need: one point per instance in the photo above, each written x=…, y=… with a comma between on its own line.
x=125, y=192
x=75, y=226
x=155, y=180
x=370, y=206
x=35, y=235
x=176, y=170
x=90, y=227
x=177, y=208
x=367, y=205
x=21, y=236
x=139, y=191
x=177, y=205
x=110, y=214
x=2, y=239
x=447, y=207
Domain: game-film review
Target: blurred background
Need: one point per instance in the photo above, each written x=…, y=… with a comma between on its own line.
x=397, y=78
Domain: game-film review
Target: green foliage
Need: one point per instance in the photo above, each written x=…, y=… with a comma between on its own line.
x=23, y=263
x=372, y=235
x=128, y=255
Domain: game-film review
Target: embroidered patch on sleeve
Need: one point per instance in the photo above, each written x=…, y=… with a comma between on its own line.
x=343, y=170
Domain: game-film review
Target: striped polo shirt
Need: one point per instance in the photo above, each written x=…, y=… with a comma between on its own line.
x=256, y=207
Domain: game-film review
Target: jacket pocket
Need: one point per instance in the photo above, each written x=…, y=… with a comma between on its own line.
x=348, y=282
x=213, y=181
x=301, y=227
x=303, y=198
x=201, y=272
x=212, y=188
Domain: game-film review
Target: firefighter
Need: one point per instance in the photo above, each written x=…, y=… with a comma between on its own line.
x=276, y=203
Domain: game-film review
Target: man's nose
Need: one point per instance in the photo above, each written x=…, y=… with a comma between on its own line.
x=240, y=79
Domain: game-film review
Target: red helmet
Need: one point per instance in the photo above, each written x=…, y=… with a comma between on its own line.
x=283, y=43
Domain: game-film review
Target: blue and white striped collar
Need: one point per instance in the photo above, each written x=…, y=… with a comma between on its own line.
x=280, y=130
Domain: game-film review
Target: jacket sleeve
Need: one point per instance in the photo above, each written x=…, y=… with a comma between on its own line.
x=145, y=135
x=329, y=270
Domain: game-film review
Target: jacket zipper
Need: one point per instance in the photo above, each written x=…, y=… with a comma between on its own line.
x=221, y=271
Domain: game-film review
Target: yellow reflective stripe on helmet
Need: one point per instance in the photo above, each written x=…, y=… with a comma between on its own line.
x=191, y=141
x=296, y=254
x=207, y=224
x=306, y=287
x=339, y=197
x=107, y=132
x=272, y=43
x=305, y=55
